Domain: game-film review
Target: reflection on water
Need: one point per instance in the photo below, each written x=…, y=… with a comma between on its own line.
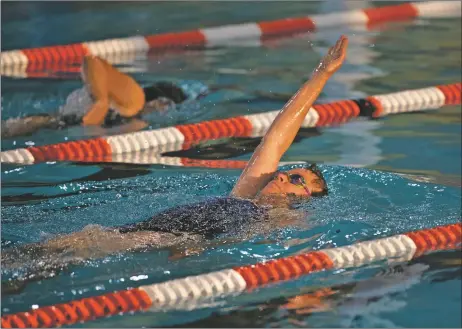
x=365, y=303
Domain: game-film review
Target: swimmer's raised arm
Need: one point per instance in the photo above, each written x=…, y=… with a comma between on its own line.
x=279, y=137
x=110, y=87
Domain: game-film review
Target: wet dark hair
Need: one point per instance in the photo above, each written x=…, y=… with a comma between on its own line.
x=315, y=170
x=164, y=89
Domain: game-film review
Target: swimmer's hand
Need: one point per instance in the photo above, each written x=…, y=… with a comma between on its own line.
x=334, y=58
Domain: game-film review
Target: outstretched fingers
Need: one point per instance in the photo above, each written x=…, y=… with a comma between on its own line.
x=340, y=47
x=343, y=43
x=335, y=56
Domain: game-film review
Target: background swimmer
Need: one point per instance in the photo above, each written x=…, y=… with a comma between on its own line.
x=109, y=97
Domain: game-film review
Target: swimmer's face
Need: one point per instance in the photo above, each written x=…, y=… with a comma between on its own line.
x=300, y=182
x=160, y=104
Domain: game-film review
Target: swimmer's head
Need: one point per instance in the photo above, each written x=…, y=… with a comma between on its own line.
x=163, y=91
x=301, y=182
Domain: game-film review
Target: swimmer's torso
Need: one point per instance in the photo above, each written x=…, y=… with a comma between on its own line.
x=209, y=218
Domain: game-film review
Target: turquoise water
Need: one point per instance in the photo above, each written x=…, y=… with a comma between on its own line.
x=408, y=175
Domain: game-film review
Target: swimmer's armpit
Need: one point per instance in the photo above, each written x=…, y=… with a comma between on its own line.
x=281, y=134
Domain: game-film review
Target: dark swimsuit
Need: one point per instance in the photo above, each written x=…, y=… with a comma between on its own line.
x=209, y=218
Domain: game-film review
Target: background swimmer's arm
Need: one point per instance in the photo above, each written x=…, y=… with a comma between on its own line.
x=95, y=75
x=97, y=113
x=265, y=159
x=110, y=87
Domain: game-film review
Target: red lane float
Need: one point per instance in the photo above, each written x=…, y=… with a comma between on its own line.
x=196, y=291
x=34, y=58
x=183, y=136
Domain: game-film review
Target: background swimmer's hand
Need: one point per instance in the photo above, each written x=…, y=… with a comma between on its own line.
x=335, y=57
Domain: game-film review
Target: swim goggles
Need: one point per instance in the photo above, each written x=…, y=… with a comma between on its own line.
x=297, y=180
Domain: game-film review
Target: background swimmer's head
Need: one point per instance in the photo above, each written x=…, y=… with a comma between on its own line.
x=163, y=90
x=301, y=182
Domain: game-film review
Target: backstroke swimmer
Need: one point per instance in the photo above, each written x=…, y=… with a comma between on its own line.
x=259, y=197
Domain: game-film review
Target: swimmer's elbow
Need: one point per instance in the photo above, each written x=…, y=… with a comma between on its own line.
x=88, y=59
x=87, y=63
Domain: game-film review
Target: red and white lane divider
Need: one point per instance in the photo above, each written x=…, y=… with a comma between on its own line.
x=153, y=157
x=200, y=290
x=36, y=58
x=181, y=137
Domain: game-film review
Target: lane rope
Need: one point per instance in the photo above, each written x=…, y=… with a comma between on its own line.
x=197, y=291
x=37, y=59
x=182, y=137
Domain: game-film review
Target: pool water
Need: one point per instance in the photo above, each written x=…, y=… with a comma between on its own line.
x=385, y=176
